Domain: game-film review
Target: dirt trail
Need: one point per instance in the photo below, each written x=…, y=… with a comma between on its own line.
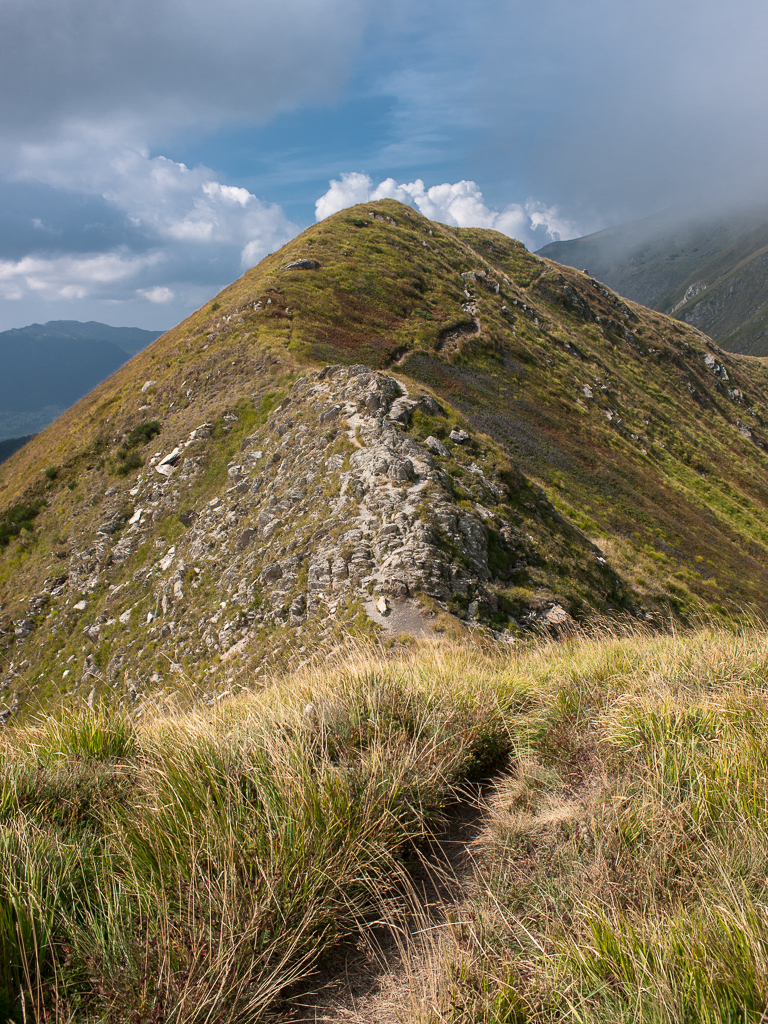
x=376, y=979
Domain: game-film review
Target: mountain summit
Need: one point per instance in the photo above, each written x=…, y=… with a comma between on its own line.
x=389, y=425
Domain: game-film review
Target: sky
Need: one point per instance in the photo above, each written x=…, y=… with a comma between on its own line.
x=152, y=151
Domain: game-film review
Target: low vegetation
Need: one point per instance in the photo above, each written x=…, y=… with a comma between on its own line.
x=128, y=458
x=17, y=518
x=199, y=864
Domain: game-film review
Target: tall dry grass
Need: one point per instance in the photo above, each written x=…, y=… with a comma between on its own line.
x=199, y=864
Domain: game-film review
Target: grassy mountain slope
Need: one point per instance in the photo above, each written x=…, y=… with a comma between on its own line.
x=613, y=465
x=267, y=859
x=706, y=270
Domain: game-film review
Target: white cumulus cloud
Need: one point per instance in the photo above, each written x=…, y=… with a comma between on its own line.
x=352, y=189
x=71, y=277
x=166, y=199
x=460, y=204
x=159, y=295
x=193, y=228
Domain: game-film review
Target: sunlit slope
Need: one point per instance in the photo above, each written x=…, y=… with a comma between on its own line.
x=602, y=423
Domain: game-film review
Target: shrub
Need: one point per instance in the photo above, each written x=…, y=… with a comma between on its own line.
x=17, y=518
x=128, y=458
x=128, y=461
x=141, y=434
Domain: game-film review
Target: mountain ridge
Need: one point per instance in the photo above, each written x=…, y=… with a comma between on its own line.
x=388, y=423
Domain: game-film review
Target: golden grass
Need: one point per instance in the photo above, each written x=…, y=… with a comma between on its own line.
x=201, y=863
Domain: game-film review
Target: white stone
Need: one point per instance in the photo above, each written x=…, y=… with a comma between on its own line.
x=81, y=606
x=556, y=616
x=166, y=465
x=165, y=562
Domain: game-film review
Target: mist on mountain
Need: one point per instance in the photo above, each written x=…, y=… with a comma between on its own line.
x=702, y=263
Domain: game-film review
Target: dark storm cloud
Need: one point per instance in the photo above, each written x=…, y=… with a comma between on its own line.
x=36, y=218
x=168, y=60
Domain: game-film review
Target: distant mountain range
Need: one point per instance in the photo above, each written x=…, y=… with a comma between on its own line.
x=707, y=270
x=48, y=367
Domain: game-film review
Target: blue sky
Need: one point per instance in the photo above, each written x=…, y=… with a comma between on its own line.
x=152, y=151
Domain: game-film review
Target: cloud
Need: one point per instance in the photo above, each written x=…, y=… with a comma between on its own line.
x=460, y=204
x=188, y=227
x=71, y=277
x=157, y=295
x=623, y=108
x=353, y=188
x=164, y=199
x=165, y=63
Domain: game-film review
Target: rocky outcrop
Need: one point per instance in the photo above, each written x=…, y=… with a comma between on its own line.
x=334, y=511
x=336, y=501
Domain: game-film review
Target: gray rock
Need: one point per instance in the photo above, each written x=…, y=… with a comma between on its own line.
x=437, y=447
x=330, y=414
x=296, y=610
x=114, y=667
x=271, y=574
x=430, y=406
x=459, y=436
x=245, y=539
x=401, y=410
x=401, y=471
x=303, y=265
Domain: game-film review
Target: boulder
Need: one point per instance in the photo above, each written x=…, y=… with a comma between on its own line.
x=437, y=447
x=303, y=265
